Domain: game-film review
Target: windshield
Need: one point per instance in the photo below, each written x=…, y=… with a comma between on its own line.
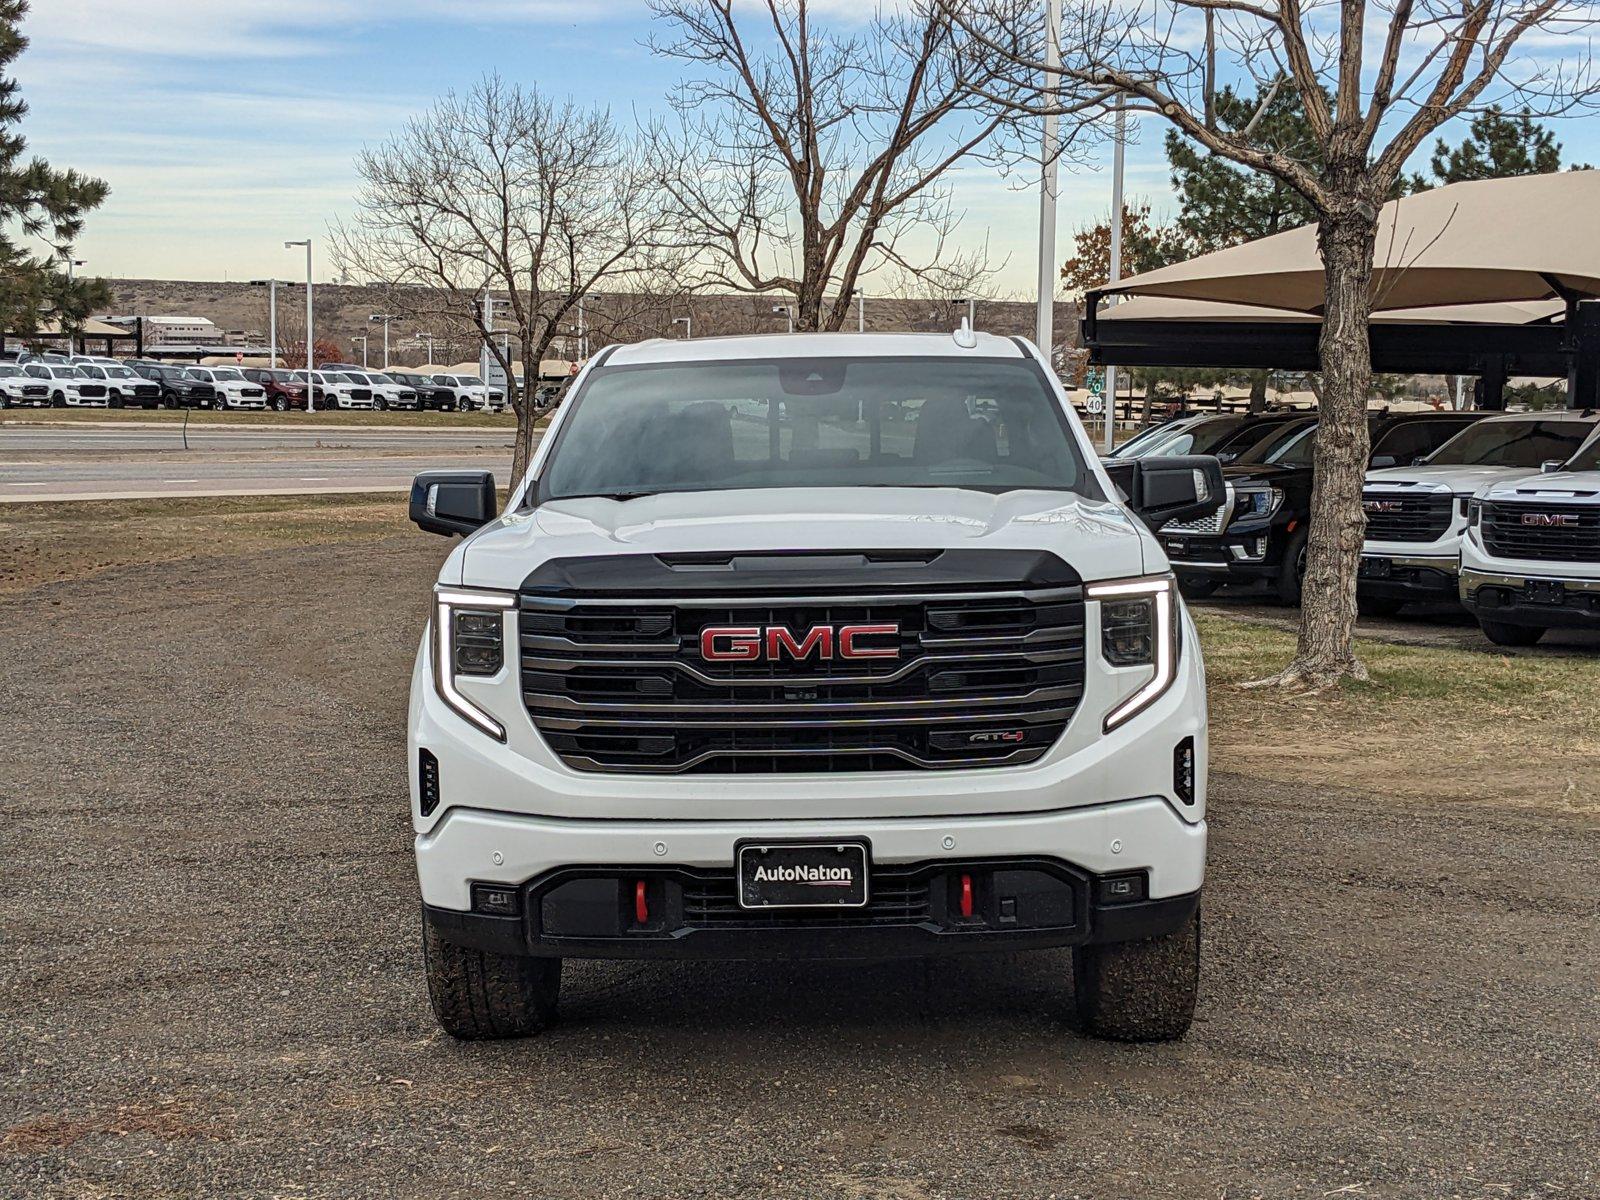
x=1512, y=443
x=119, y=373
x=229, y=374
x=1586, y=459
x=1144, y=442
x=988, y=424
x=1280, y=440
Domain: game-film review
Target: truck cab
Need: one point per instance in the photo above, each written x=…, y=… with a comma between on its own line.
x=820, y=645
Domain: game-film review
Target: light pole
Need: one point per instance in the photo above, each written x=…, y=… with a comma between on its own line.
x=861, y=312
x=972, y=312
x=385, y=318
x=272, y=318
x=787, y=312
x=311, y=405
x=75, y=262
x=428, y=337
x=362, y=338
x=1049, y=157
x=583, y=332
x=688, y=326
x=1120, y=136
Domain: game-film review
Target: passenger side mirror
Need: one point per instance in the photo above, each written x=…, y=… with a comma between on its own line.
x=453, y=502
x=1551, y=465
x=1176, y=487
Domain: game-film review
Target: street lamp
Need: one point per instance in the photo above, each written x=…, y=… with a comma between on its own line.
x=972, y=312
x=362, y=338
x=787, y=312
x=688, y=326
x=310, y=339
x=272, y=317
x=428, y=337
x=385, y=318
x=75, y=262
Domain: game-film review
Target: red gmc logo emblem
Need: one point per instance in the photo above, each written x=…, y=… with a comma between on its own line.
x=1565, y=520
x=1382, y=506
x=753, y=643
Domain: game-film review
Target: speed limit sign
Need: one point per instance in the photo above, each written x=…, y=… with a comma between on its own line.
x=1096, y=405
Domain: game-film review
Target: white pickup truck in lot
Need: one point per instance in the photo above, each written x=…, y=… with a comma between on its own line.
x=233, y=390
x=471, y=393
x=1530, y=560
x=1416, y=514
x=839, y=646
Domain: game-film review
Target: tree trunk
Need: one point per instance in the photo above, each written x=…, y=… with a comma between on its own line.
x=1258, y=391
x=1326, y=651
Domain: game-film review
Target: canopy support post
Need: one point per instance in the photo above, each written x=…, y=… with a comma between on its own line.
x=1583, y=336
x=1489, y=392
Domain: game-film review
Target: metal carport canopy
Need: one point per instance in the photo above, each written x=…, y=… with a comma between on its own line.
x=1494, y=242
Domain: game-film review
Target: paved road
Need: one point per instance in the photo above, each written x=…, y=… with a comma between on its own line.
x=142, y=460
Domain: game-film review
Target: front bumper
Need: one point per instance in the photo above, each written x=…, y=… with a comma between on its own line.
x=1248, y=552
x=1096, y=874
x=1546, y=601
x=1414, y=577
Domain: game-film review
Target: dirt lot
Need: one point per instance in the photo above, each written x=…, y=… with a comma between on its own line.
x=210, y=975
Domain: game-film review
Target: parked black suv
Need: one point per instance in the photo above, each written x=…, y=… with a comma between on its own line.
x=179, y=389
x=1225, y=435
x=1259, y=533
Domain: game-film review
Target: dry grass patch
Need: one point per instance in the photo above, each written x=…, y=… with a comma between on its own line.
x=56, y=543
x=1434, y=723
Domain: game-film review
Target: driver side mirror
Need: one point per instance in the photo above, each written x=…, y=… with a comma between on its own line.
x=1176, y=487
x=453, y=502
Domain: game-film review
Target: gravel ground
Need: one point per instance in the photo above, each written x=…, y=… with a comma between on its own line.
x=211, y=983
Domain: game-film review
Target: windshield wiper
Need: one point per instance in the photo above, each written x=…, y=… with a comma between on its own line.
x=606, y=496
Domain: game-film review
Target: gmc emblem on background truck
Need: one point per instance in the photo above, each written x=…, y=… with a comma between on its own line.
x=750, y=643
x=1560, y=520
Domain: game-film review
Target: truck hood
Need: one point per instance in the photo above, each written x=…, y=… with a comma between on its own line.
x=1459, y=479
x=1242, y=473
x=1572, y=486
x=1097, y=538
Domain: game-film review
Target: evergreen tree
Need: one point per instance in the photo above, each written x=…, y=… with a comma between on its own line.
x=41, y=204
x=1224, y=204
x=1495, y=146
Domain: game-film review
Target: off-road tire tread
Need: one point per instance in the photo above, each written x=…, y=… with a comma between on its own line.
x=478, y=995
x=1142, y=991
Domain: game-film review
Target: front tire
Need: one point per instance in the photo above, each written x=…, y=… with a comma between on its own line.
x=1291, y=571
x=379, y=403
x=59, y=400
x=280, y=404
x=1378, y=606
x=1502, y=634
x=1142, y=991
x=479, y=995
x=1196, y=589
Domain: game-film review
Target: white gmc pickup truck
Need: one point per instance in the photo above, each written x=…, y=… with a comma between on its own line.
x=811, y=646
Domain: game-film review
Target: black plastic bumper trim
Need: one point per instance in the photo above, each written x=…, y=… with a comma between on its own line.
x=1106, y=923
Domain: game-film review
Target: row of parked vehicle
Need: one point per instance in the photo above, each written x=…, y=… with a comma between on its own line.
x=1497, y=511
x=81, y=380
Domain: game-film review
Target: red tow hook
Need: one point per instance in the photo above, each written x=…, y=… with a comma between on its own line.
x=641, y=906
x=966, y=895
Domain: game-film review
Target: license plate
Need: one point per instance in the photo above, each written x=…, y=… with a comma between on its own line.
x=1376, y=568
x=802, y=874
x=1545, y=591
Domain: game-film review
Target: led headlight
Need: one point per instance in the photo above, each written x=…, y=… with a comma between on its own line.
x=1138, y=625
x=1253, y=503
x=469, y=640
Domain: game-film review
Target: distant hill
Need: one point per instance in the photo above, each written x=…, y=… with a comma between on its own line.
x=342, y=311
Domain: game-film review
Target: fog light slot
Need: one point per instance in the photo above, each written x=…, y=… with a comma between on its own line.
x=495, y=900
x=1183, y=770
x=427, y=782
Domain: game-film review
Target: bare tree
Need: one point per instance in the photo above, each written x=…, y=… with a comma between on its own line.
x=1434, y=60
x=505, y=194
x=805, y=158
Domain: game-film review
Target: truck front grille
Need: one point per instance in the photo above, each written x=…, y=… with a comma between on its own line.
x=1542, y=531
x=981, y=679
x=1392, y=518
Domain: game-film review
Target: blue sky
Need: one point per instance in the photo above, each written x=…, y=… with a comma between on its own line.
x=226, y=126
